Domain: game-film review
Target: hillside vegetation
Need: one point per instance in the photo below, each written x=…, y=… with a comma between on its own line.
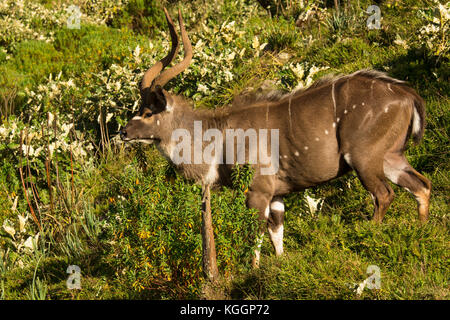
x=72, y=194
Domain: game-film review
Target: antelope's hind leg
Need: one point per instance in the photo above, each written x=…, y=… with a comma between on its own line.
x=271, y=214
x=399, y=171
x=370, y=172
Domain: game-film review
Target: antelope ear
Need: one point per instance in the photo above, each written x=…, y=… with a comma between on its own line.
x=159, y=102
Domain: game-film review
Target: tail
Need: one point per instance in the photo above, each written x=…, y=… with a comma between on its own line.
x=418, y=118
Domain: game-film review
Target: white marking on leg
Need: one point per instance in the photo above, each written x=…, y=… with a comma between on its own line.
x=373, y=198
x=392, y=172
x=348, y=159
x=277, y=205
x=276, y=236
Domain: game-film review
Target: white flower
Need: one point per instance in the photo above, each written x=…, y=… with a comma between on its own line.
x=32, y=242
x=8, y=229
x=199, y=44
x=51, y=117
x=22, y=221
x=444, y=11
x=361, y=287
x=202, y=88
x=108, y=117
x=70, y=83
x=27, y=150
x=313, y=204
x=255, y=43
x=66, y=128
x=400, y=42
x=3, y=132
x=228, y=75
x=137, y=51
x=298, y=70
x=14, y=206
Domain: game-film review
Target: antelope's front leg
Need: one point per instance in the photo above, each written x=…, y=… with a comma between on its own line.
x=260, y=202
x=259, y=197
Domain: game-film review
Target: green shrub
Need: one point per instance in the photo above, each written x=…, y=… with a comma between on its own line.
x=141, y=16
x=36, y=60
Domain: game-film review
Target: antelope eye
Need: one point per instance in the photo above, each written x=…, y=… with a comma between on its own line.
x=147, y=115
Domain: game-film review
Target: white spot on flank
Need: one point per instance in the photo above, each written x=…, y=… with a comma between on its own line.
x=296, y=153
x=326, y=131
x=306, y=148
x=354, y=106
x=345, y=111
x=151, y=137
x=386, y=109
x=334, y=124
x=317, y=139
x=338, y=119
x=157, y=122
x=136, y=118
x=362, y=103
x=285, y=156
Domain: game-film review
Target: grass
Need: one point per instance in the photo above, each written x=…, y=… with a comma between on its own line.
x=132, y=224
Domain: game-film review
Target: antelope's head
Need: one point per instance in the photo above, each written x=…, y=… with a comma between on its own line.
x=157, y=105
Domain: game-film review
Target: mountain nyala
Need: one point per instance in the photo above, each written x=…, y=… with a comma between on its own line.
x=361, y=121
